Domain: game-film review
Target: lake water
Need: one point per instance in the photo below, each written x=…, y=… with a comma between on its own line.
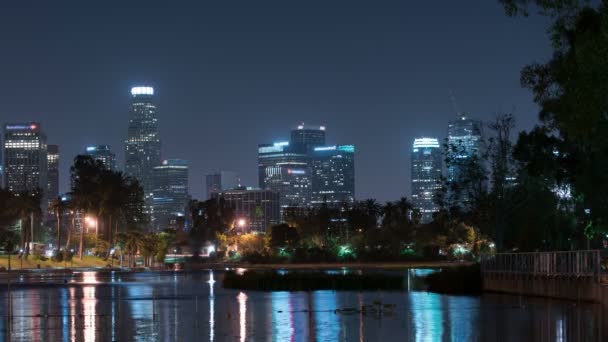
x=194, y=307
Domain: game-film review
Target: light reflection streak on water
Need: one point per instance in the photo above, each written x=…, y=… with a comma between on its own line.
x=72, y=314
x=89, y=277
x=65, y=318
x=327, y=323
x=211, y=282
x=283, y=328
x=89, y=301
x=242, y=298
x=360, y=304
x=427, y=316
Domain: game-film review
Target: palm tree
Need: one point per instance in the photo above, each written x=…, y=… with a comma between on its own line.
x=28, y=206
x=58, y=206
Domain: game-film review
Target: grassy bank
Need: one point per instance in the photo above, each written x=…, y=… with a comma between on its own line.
x=464, y=280
x=30, y=263
x=309, y=281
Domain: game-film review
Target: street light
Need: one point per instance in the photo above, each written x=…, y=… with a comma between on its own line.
x=91, y=221
x=21, y=257
x=241, y=223
x=72, y=258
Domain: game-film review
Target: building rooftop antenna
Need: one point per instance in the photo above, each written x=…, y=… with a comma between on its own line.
x=459, y=113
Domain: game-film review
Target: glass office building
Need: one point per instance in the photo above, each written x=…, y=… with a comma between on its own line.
x=427, y=165
x=102, y=153
x=333, y=175
x=142, y=147
x=259, y=209
x=25, y=158
x=464, y=142
x=170, y=195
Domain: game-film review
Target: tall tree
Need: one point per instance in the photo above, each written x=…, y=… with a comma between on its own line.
x=571, y=91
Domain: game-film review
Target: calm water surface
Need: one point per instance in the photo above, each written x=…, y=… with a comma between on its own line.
x=194, y=307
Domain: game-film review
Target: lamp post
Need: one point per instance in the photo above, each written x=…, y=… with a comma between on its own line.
x=21, y=257
x=72, y=258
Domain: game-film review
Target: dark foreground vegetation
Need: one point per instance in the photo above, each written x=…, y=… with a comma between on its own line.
x=310, y=281
x=462, y=280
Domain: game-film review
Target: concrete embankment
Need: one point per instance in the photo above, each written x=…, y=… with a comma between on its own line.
x=567, y=287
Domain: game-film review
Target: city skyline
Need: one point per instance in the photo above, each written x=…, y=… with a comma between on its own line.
x=214, y=110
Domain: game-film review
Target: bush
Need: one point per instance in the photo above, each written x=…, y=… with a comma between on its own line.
x=57, y=256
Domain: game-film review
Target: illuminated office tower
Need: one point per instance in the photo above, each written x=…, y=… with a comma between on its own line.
x=25, y=158
x=142, y=147
x=220, y=181
x=426, y=176
x=52, y=153
x=464, y=143
x=170, y=194
x=304, y=138
x=102, y=153
x=258, y=208
x=286, y=172
x=333, y=175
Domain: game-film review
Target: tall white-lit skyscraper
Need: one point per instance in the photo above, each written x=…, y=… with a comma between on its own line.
x=170, y=194
x=142, y=147
x=25, y=158
x=426, y=176
x=102, y=153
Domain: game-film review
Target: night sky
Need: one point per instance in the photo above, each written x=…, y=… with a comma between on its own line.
x=231, y=74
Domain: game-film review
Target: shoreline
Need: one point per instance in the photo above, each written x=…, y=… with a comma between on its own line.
x=193, y=266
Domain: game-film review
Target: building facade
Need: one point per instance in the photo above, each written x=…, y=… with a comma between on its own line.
x=25, y=158
x=170, y=195
x=52, y=157
x=333, y=175
x=287, y=172
x=142, y=147
x=104, y=154
x=464, y=141
x=221, y=181
x=427, y=166
x=304, y=138
x=259, y=209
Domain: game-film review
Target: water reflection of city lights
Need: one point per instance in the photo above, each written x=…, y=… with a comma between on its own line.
x=211, y=282
x=242, y=298
x=89, y=278
x=89, y=307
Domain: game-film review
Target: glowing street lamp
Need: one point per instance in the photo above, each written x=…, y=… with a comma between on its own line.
x=241, y=223
x=91, y=221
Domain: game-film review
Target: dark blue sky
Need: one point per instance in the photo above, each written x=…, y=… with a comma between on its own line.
x=232, y=74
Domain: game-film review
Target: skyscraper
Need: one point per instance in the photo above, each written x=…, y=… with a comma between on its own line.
x=142, y=147
x=303, y=138
x=102, y=153
x=426, y=176
x=170, y=193
x=287, y=172
x=258, y=208
x=52, y=153
x=25, y=158
x=464, y=143
x=221, y=181
x=333, y=175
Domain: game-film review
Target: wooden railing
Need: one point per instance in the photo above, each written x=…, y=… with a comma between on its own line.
x=570, y=263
